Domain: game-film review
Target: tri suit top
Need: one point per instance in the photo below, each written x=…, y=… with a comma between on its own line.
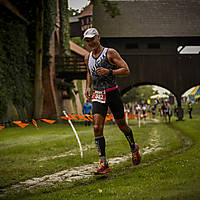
x=101, y=82
x=106, y=83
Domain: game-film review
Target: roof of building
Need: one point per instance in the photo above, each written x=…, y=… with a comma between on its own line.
x=88, y=11
x=77, y=49
x=150, y=18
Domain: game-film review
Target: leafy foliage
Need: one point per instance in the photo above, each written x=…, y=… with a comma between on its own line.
x=138, y=94
x=65, y=28
x=17, y=60
x=50, y=13
x=74, y=12
x=80, y=90
x=15, y=69
x=110, y=7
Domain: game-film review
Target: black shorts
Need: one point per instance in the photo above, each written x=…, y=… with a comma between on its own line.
x=114, y=101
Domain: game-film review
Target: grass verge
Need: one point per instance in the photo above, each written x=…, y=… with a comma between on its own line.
x=171, y=172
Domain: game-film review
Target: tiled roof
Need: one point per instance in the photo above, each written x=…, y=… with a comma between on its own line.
x=88, y=11
x=150, y=18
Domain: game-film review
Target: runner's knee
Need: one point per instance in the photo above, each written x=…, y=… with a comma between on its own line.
x=122, y=125
x=98, y=129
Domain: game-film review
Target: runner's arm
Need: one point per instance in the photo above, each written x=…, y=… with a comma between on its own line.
x=88, y=81
x=114, y=59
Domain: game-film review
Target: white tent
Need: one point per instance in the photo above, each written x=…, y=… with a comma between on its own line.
x=159, y=96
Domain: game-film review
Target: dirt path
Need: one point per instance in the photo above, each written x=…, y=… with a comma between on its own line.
x=81, y=172
x=86, y=171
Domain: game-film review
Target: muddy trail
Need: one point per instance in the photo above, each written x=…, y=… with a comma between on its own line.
x=86, y=171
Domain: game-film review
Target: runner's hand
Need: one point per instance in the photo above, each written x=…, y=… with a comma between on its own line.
x=88, y=93
x=102, y=71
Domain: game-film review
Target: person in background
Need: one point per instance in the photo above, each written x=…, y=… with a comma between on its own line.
x=190, y=109
x=169, y=111
x=144, y=110
x=87, y=109
x=153, y=111
x=164, y=110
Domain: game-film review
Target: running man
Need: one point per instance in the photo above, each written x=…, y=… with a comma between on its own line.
x=103, y=65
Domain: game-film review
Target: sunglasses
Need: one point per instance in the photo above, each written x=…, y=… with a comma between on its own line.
x=89, y=39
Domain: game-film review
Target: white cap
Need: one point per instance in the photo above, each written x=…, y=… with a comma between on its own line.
x=90, y=33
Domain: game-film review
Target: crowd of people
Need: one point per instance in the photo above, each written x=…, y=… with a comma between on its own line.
x=162, y=108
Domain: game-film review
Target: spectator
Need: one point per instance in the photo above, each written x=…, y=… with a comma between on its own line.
x=190, y=109
x=87, y=109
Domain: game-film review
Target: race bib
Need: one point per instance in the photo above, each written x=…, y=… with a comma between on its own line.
x=99, y=96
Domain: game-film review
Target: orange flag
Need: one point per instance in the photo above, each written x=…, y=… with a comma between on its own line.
x=64, y=117
x=90, y=117
x=72, y=116
x=109, y=117
x=48, y=121
x=19, y=123
x=34, y=123
x=81, y=117
x=132, y=116
x=2, y=127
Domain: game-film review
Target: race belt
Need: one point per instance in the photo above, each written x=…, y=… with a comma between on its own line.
x=99, y=96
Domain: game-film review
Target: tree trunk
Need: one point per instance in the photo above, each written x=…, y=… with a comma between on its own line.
x=38, y=89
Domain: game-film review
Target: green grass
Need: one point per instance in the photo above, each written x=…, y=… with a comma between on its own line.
x=173, y=172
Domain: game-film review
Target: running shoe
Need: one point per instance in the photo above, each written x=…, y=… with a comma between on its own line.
x=136, y=155
x=103, y=168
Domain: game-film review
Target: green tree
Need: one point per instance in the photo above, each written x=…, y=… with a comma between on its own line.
x=110, y=6
x=74, y=12
x=141, y=93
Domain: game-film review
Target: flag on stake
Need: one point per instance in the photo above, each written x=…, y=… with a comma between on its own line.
x=19, y=123
x=48, y=121
x=2, y=127
x=79, y=142
x=34, y=123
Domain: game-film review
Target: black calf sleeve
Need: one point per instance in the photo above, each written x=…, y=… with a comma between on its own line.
x=100, y=144
x=130, y=139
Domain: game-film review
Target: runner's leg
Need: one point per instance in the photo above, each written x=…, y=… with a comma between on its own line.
x=116, y=106
x=99, y=137
x=127, y=131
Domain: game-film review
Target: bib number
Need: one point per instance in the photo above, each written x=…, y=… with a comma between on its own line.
x=99, y=96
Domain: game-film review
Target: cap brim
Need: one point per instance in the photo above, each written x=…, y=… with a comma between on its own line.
x=88, y=36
